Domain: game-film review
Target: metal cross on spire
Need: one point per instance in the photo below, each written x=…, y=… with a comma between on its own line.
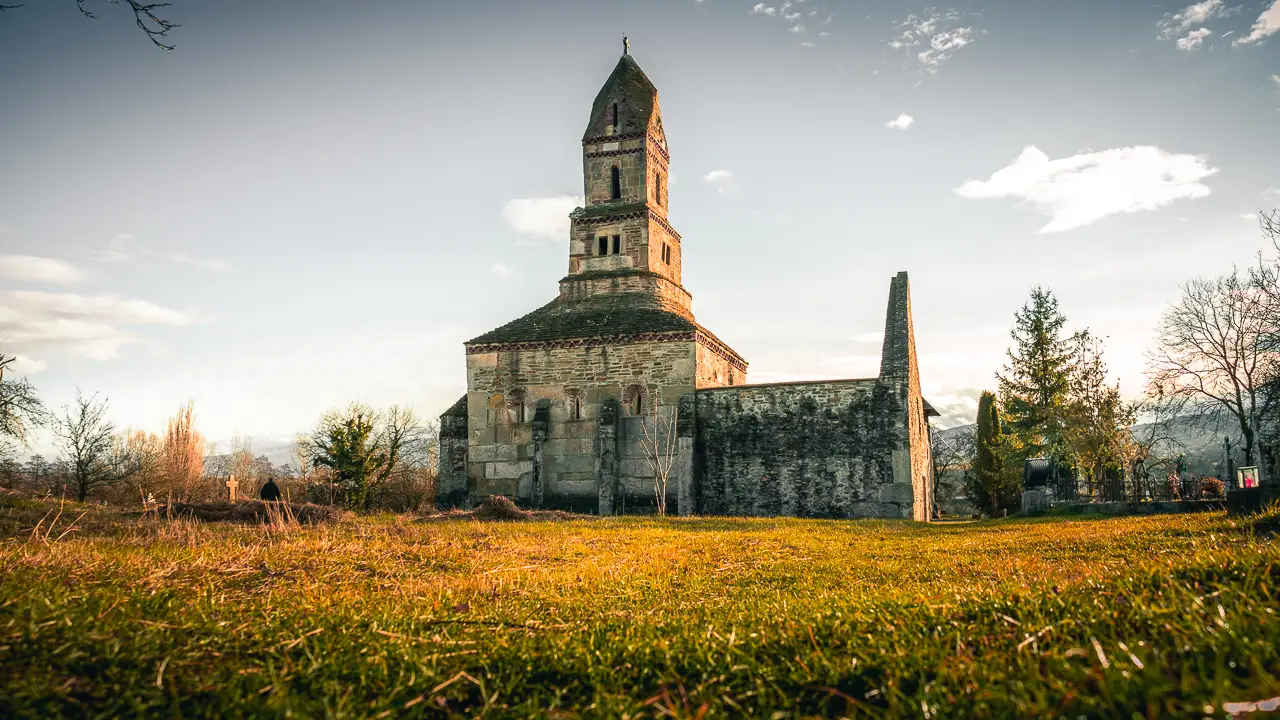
x=626, y=46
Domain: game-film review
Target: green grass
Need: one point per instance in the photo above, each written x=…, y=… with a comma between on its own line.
x=388, y=616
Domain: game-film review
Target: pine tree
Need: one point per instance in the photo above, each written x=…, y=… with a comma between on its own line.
x=987, y=479
x=1035, y=385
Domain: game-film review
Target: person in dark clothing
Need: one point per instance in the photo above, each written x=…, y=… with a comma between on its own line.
x=270, y=491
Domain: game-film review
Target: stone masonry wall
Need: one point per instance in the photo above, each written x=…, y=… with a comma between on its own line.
x=598, y=159
x=576, y=382
x=814, y=449
x=714, y=370
x=451, y=485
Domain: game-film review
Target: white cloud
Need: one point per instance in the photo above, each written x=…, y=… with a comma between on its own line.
x=541, y=220
x=1248, y=216
x=1193, y=39
x=790, y=16
x=902, y=122
x=89, y=325
x=1267, y=24
x=956, y=406
x=806, y=43
x=117, y=249
x=27, y=366
x=875, y=336
x=762, y=9
x=939, y=32
x=796, y=29
x=124, y=248
x=943, y=45
x=1077, y=190
x=721, y=180
x=32, y=269
x=1271, y=193
x=1191, y=16
x=500, y=269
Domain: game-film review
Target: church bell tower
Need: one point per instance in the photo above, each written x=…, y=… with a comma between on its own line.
x=621, y=242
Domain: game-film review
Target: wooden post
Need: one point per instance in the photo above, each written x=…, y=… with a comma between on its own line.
x=231, y=486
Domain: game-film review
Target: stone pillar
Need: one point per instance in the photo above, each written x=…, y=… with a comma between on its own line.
x=607, y=456
x=682, y=470
x=541, y=425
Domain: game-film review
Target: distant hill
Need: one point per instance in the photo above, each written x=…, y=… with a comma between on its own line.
x=1202, y=448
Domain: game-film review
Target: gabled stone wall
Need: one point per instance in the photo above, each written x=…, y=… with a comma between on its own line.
x=809, y=449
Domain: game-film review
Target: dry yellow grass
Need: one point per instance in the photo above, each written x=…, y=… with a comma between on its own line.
x=393, y=615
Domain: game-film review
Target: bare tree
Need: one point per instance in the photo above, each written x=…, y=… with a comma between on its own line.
x=95, y=456
x=952, y=457
x=146, y=450
x=240, y=462
x=144, y=16
x=21, y=410
x=184, y=451
x=661, y=446
x=1210, y=354
x=1156, y=441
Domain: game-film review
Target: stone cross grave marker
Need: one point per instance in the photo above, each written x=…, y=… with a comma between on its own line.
x=232, y=485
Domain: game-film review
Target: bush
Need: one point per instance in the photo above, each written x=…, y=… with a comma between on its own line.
x=1211, y=488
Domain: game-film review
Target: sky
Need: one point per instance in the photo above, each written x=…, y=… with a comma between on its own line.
x=303, y=205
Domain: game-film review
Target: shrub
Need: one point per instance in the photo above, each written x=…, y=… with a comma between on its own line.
x=1211, y=488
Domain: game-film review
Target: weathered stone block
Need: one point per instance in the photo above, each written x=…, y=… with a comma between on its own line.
x=508, y=470
x=897, y=493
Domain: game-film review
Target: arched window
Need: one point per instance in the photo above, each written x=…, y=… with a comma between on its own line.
x=615, y=182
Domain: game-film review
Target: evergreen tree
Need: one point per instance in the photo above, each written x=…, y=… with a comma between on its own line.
x=989, y=483
x=348, y=448
x=1035, y=384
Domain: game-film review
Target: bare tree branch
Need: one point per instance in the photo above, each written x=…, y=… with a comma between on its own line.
x=1211, y=352
x=144, y=16
x=21, y=409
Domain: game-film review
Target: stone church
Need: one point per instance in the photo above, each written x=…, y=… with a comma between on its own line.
x=613, y=390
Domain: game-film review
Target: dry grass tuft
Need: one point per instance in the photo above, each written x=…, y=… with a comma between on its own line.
x=501, y=509
x=254, y=512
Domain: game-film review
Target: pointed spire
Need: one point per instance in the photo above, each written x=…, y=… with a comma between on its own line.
x=632, y=92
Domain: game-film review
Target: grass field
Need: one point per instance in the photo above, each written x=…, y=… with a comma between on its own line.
x=396, y=616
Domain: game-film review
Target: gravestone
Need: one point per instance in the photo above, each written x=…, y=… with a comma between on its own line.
x=231, y=487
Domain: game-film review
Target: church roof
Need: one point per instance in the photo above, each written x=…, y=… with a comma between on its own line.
x=558, y=320
x=629, y=87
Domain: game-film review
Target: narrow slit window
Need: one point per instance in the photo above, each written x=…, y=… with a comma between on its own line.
x=575, y=408
x=604, y=245
x=615, y=182
x=614, y=122
x=617, y=244
x=666, y=253
x=637, y=404
x=520, y=412
x=657, y=189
